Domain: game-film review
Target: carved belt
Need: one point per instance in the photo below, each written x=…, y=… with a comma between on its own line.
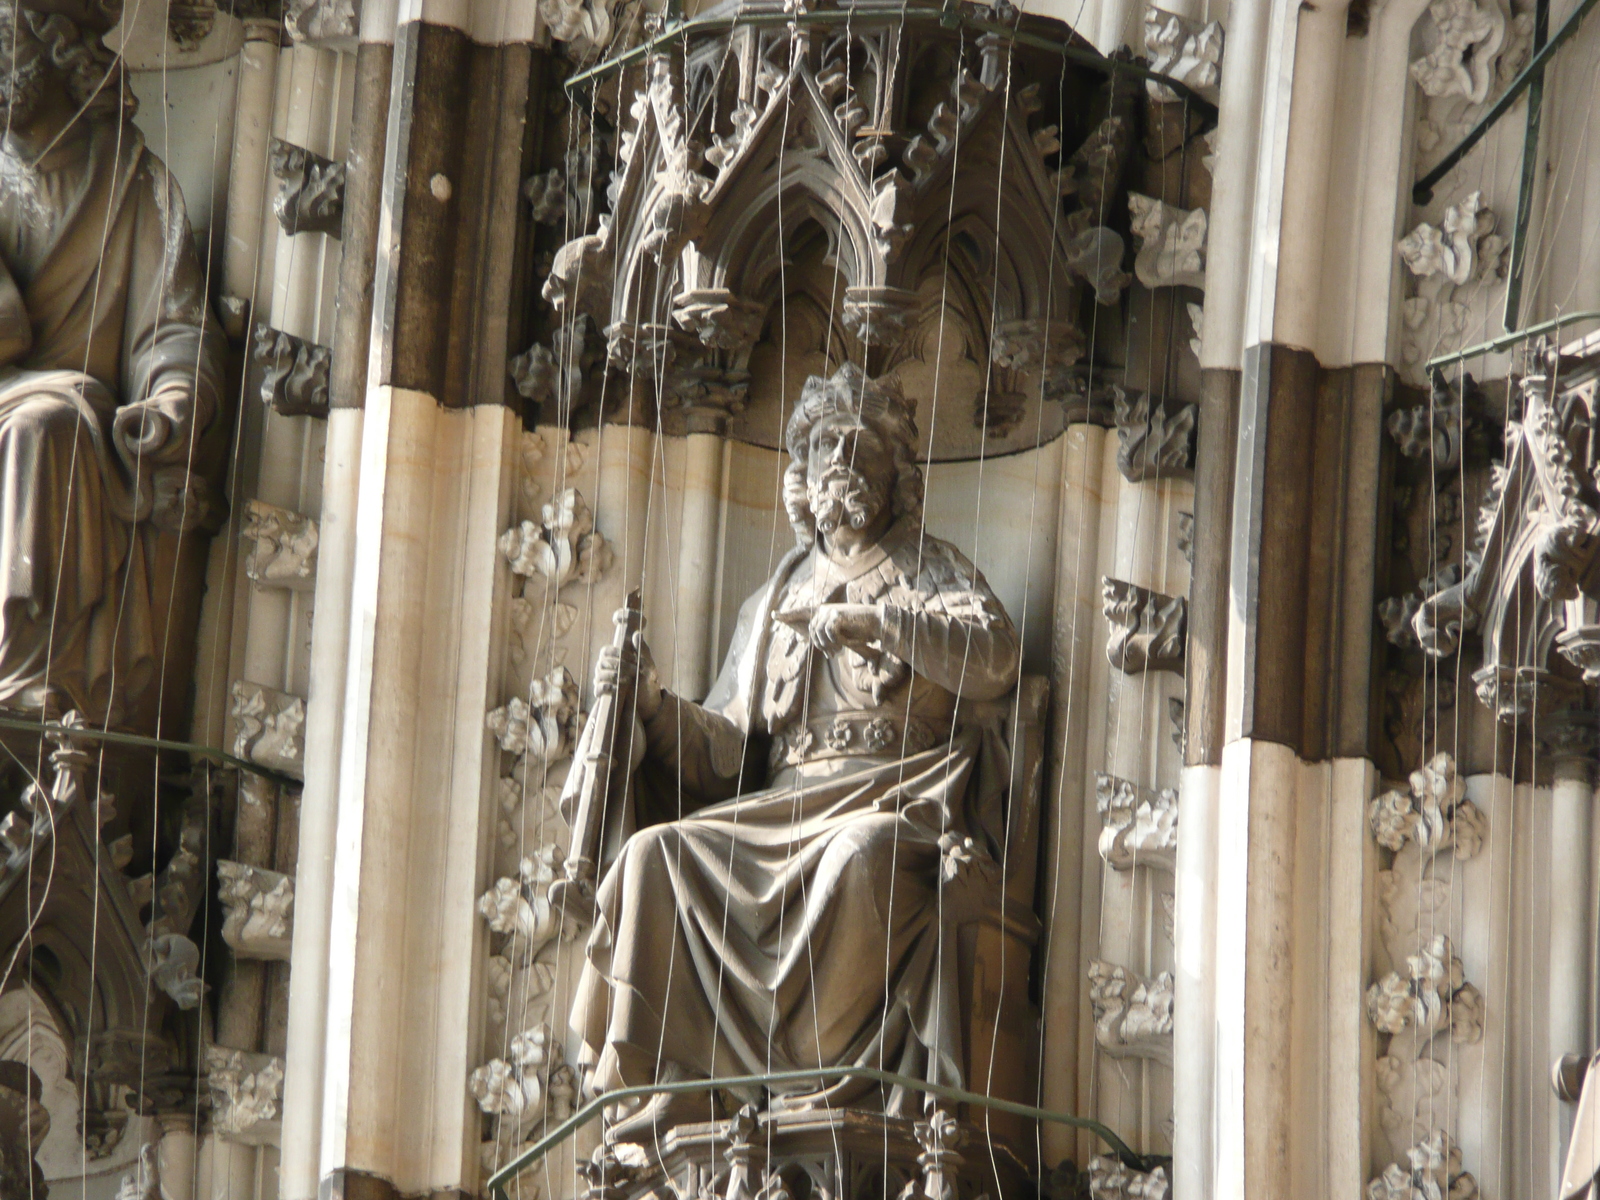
x=854, y=734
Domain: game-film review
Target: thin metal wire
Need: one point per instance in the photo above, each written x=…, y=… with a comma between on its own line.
x=498, y=1181
x=209, y=753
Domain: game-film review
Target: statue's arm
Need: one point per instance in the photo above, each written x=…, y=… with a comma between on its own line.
x=962, y=640
x=701, y=749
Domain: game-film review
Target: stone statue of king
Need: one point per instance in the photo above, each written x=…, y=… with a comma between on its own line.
x=110, y=366
x=840, y=799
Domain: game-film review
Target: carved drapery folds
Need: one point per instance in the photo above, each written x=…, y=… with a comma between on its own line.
x=284, y=554
x=1132, y=1015
x=246, y=1093
x=310, y=195
x=1147, y=628
x=1423, y=1003
x=1532, y=586
x=1139, y=827
x=269, y=727
x=294, y=372
x=258, y=910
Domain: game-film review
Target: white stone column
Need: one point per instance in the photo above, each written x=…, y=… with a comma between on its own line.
x=229, y=1169
x=1070, y=853
x=693, y=668
x=246, y=263
x=177, y=1156
x=1571, y=739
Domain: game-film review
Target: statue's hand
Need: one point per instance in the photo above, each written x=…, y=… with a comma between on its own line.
x=146, y=431
x=634, y=663
x=857, y=627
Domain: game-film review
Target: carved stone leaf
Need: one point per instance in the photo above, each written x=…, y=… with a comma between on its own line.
x=310, y=195
x=246, y=1092
x=269, y=727
x=294, y=373
x=1147, y=628
x=285, y=551
x=1172, y=243
x=1139, y=827
x=1132, y=1015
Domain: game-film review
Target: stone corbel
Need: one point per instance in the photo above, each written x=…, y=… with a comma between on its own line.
x=246, y=1093
x=294, y=373
x=1153, y=442
x=1185, y=50
x=329, y=22
x=1132, y=1015
x=1109, y=1179
x=285, y=551
x=310, y=197
x=258, y=910
x=269, y=727
x=1147, y=628
x=1139, y=827
x=1172, y=243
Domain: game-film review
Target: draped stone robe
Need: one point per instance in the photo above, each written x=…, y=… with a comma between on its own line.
x=102, y=303
x=804, y=924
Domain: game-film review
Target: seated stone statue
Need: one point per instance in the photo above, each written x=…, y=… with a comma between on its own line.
x=110, y=367
x=839, y=804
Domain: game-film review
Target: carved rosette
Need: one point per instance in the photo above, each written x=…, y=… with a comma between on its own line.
x=1147, y=628
x=1132, y=1014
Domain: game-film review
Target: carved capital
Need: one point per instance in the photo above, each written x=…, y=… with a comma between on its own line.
x=310, y=195
x=1568, y=740
x=1139, y=827
x=258, y=910
x=246, y=1095
x=269, y=727
x=1148, y=630
x=1132, y=1015
x=285, y=550
x=294, y=373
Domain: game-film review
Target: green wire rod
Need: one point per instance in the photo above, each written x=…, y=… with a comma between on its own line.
x=563, y=1131
x=947, y=16
x=209, y=753
x=1422, y=190
x=1506, y=341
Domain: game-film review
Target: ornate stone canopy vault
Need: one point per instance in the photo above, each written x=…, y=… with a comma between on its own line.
x=901, y=182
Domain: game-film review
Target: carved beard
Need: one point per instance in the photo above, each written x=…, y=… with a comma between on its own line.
x=22, y=93
x=840, y=495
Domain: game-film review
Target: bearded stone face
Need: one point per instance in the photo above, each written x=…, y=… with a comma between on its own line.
x=849, y=474
x=24, y=73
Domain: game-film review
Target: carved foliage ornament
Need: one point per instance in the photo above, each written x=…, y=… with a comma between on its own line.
x=269, y=727
x=1148, y=629
x=1183, y=50
x=1139, y=827
x=562, y=547
x=1468, y=36
x=246, y=1093
x=294, y=373
x=1132, y=1015
x=1172, y=243
x=285, y=550
x=310, y=195
x=1154, y=442
x=1109, y=1179
x=258, y=908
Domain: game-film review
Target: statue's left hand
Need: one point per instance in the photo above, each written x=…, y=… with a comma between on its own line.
x=836, y=627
